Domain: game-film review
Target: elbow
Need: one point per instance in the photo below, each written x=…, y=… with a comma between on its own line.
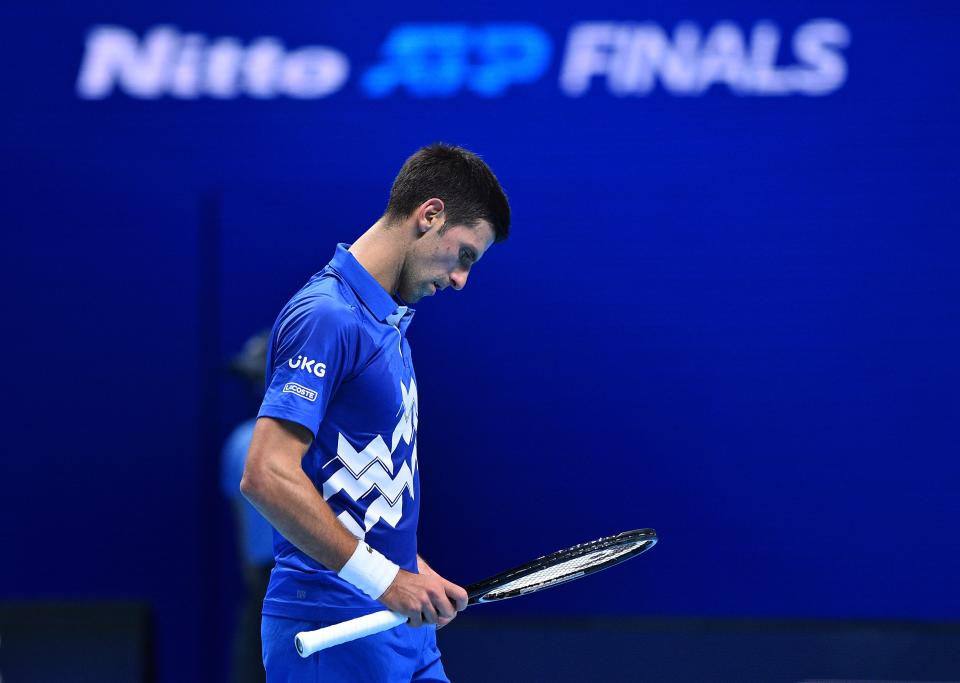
x=253, y=485
x=246, y=484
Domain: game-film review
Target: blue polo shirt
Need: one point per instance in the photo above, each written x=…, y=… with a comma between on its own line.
x=339, y=364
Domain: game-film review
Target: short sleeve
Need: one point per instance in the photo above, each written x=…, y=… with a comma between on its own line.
x=315, y=348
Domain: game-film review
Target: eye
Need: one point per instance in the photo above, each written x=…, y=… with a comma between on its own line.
x=466, y=257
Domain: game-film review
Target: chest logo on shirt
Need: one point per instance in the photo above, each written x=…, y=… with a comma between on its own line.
x=372, y=469
x=312, y=366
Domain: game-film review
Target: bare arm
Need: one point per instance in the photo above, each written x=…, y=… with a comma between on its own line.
x=275, y=484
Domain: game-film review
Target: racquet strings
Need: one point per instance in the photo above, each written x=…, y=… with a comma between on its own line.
x=562, y=571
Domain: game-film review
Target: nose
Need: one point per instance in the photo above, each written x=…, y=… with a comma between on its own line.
x=458, y=279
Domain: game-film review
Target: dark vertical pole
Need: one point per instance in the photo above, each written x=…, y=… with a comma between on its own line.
x=208, y=328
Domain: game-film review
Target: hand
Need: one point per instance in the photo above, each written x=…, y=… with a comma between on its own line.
x=424, y=598
x=455, y=593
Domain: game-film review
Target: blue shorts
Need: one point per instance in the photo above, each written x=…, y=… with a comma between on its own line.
x=400, y=654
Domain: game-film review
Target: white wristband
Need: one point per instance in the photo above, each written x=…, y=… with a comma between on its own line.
x=369, y=571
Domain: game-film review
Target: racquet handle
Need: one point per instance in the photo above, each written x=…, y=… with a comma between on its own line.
x=308, y=642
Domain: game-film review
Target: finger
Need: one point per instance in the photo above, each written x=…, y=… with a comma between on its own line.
x=443, y=622
x=429, y=614
x=445, y=608
x=415, y=620
x=458, y=595
x=441, y=601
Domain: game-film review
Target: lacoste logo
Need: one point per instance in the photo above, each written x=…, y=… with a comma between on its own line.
x=301, y=391
x=317, y=368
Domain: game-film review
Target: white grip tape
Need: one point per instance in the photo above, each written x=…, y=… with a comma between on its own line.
x=369, y=571
x=308, y=642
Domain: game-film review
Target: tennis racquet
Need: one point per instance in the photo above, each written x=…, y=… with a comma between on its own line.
x=544, y=572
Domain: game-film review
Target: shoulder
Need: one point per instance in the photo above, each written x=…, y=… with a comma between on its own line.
x=323, y=303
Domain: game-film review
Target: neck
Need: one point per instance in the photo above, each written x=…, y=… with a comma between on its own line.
x=381, y=250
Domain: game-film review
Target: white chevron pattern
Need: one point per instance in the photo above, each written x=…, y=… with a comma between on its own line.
x=376, y=451
x=407, y=425
x=372, y=468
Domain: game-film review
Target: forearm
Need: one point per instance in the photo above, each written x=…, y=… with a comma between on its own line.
x=275, y=483
x=290, y=502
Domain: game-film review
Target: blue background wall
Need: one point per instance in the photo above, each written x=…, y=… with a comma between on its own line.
x=729, y=316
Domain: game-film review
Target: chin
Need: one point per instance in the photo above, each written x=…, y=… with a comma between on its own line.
x=410, y=297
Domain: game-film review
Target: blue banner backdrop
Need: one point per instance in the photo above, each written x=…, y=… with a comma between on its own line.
x=728, y=310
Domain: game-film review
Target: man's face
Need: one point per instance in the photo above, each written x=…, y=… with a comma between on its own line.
x=437, y=261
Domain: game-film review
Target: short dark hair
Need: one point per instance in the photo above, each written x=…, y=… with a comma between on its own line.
x=468, y=188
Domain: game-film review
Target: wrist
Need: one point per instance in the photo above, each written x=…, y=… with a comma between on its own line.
x=423, y=567
x=369, y=571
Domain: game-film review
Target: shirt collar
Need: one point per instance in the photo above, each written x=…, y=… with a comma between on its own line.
x=374, y=297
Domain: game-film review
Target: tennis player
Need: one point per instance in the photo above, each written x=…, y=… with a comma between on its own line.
x=333, y=461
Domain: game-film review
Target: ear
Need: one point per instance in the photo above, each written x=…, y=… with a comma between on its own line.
x=430, y=215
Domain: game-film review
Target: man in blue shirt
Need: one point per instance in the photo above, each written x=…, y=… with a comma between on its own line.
x=333, y=460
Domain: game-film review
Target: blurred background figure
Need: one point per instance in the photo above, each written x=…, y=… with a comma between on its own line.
x=254, y=535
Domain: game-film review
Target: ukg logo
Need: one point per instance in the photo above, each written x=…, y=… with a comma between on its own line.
x=312, y=366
